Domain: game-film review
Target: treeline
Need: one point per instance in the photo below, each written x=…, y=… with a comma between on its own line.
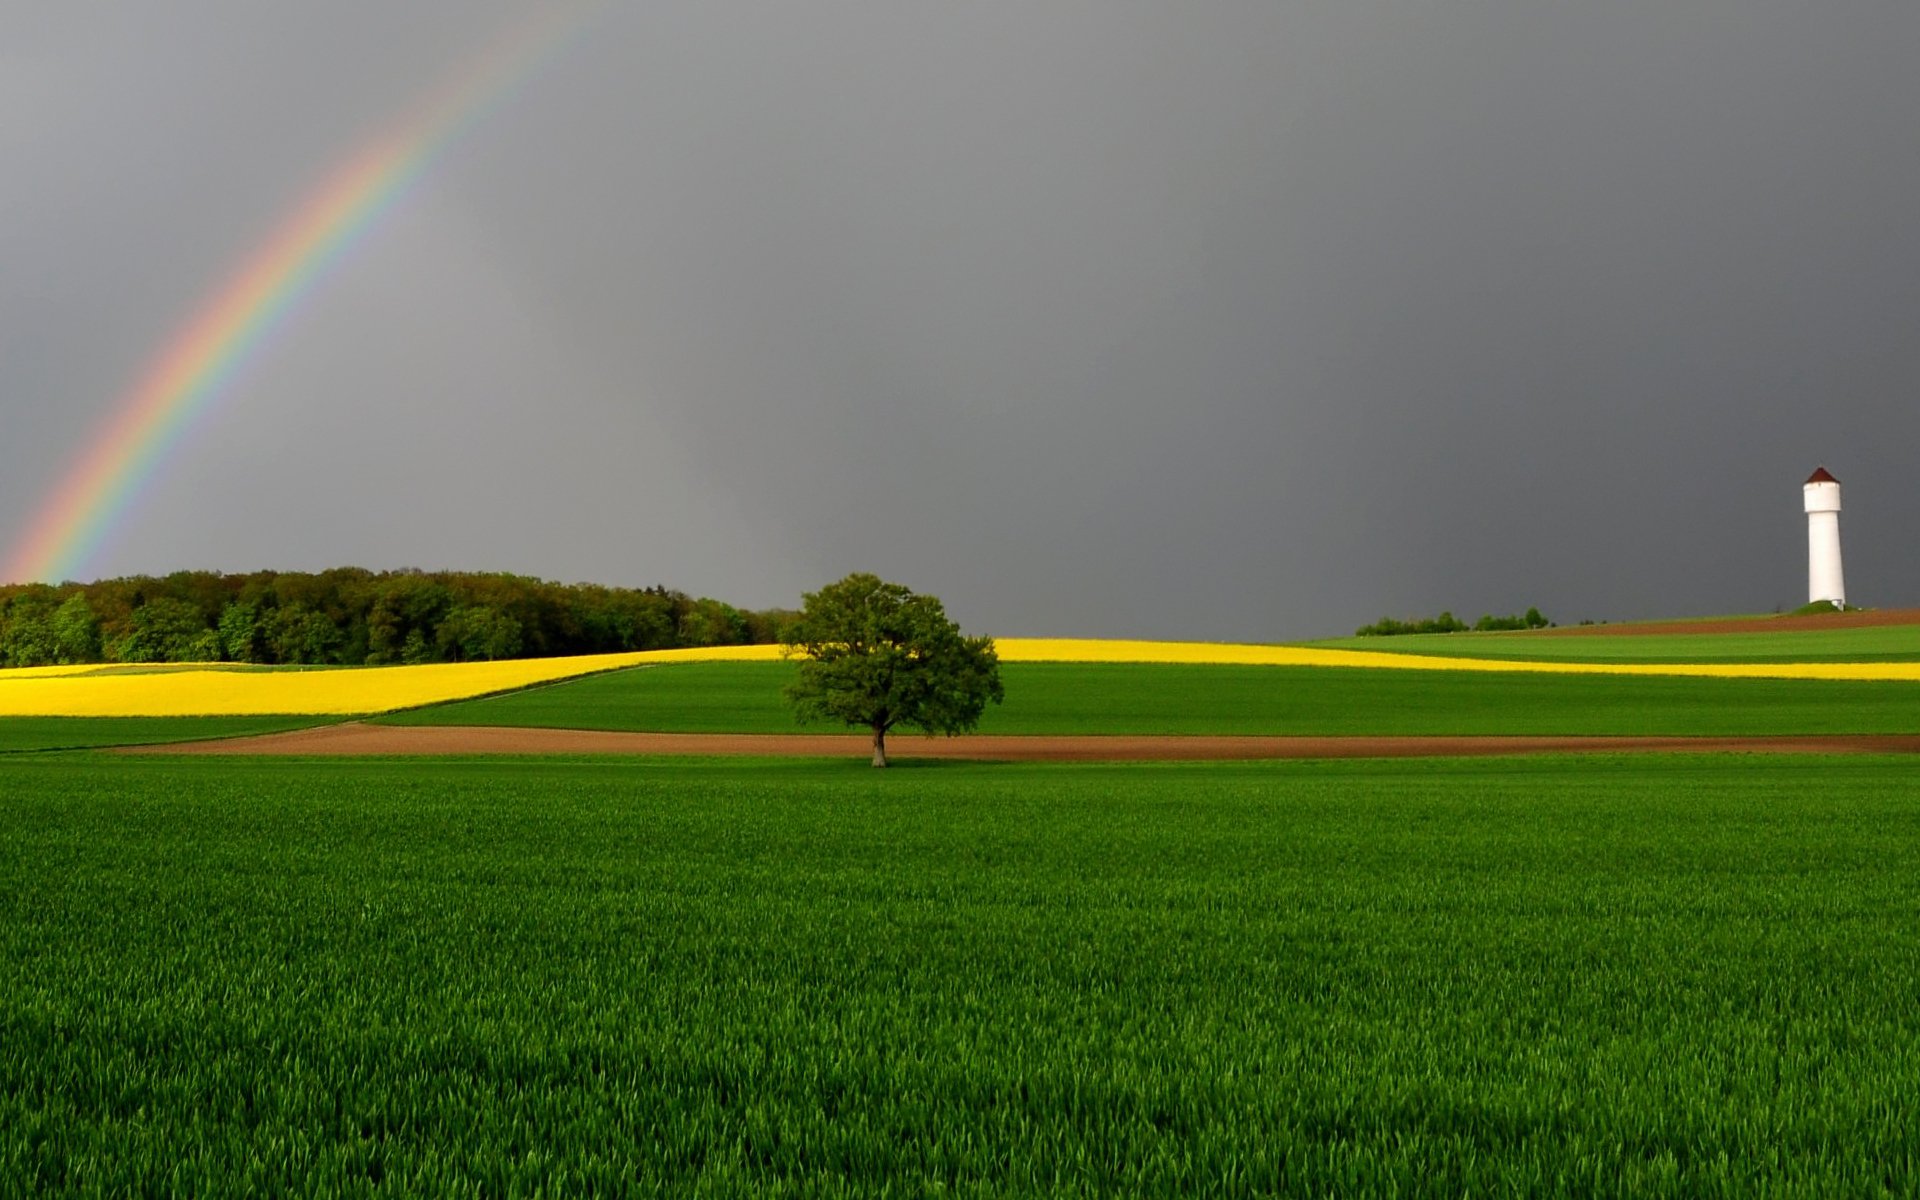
x=1446, y=622
x=355, y=617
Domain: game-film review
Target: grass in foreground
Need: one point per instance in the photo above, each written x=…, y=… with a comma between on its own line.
x=1652, y=976
x=1101, y=698
x=1885, y=643
x=70, y=733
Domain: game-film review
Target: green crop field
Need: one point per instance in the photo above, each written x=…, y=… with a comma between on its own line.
x=67, y=733
x=1166, y=699
x=1652, y=976
x=1886, y=643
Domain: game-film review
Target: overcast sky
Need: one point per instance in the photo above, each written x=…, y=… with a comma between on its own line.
x=1252, y=321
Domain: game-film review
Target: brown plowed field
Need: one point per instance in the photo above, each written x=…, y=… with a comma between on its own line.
x=1858, y=619
x=356, y=739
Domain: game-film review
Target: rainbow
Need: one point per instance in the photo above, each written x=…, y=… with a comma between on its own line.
x=193, y=369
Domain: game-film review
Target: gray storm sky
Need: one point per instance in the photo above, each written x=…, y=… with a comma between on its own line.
x=1251, y=321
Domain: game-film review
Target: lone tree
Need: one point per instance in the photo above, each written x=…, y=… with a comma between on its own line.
x=875, y=655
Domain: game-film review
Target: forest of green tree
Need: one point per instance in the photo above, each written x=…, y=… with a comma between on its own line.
x=350, y=616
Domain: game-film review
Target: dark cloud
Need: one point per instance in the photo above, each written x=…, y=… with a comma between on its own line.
x=1251, y=321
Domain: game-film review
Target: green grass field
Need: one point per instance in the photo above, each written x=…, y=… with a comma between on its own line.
x=1889, y=643
x=1164, y=699
x=19, y=734
x=1553, y=976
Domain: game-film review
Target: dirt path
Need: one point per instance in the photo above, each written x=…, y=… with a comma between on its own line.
x=356, y=739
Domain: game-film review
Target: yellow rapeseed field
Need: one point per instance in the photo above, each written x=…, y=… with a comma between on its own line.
x=1090, y=650
x=233, y=692
x=226, y=690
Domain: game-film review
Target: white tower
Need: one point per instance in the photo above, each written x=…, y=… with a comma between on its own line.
x=1824, y=581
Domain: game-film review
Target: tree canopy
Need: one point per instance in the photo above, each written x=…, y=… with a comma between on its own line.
x=349, y=616
x=875, y=655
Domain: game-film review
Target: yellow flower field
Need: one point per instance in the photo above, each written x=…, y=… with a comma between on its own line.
x=227, y=690
x=121, y=691
x=1091, y=650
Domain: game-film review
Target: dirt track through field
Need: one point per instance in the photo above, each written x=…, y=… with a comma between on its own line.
x=360, y=740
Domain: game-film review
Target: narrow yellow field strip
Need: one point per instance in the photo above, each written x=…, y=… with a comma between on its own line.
x=227, y=690
x=1088, y=650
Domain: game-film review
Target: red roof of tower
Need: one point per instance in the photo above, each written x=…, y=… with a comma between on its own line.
x=1820, y=475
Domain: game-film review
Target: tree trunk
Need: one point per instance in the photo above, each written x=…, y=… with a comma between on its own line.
x=879, y=745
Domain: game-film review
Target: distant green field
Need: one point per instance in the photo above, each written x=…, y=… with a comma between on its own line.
x=1168, y=699
x=1663, y=977
x=1889, y=643
x=67, y=733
